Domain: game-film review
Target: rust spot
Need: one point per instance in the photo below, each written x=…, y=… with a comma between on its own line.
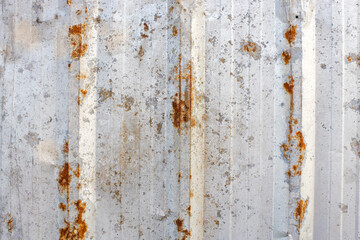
x=300, y=212
x=286, y=57
x=105, y=94
x=353, y=57
x=77, y=36
x=68, y=2
x=183, y=99
x=62, y=206
x=179, y=177
x=180, y=228
x=76, y=230
x=146, y=27
x=83, y=92
x=222, y=60
x=10, y=224
x=69, y=65
x=174, y=31
x=289, y=86
x=171, y=9
x=141, y=53
x=251, y=48
x=76, y=172
x=191, y=193
x=64, y=178
x=78, y=100
x=65, y=148
x=188, y=209
x=144, y=35
x=290, y=34
x=216, y=222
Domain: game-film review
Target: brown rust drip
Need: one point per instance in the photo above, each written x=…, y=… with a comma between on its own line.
x=286, y=57
x=64, y=178
x=76, y=230
x=77, y=36
x=290, y=34
x=65, y=148
x=180, y=228
x=300, y=212
x=182, y=100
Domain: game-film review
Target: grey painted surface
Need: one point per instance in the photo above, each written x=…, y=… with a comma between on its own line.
x=175, y=122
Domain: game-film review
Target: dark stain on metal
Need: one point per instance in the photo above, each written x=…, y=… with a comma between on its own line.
x=77, y=36
x=286, y=57
x=180, y=228
x=290, y=34
x=300, y=212
x=251, y=48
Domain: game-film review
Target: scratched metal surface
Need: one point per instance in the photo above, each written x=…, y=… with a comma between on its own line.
x=196, y=119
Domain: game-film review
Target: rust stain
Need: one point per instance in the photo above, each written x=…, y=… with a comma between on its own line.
x=65, y=148
x=179, y=177
x=180, y=228
x=83, y=92
x=146, y=27
x=64, y=178
x=78, y=99
x=289, y=86
x=10, y=224
x=300, y=212
x=222, y=60
x=144, y=35
x=290, y=34
x=188, y=209
x=174, y=31
x=141, y=53
x=251, y=48
x=183, y=100
x=62, y=206
x=353, y=57
x=77, y=36
x=68, y=2
x=105, y=94
x=286, y=57
x=76, y=230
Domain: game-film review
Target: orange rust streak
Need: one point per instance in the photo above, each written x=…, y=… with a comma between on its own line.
x=286, y=57
x=64, y=178
x=62, y=206
x=83, y=92
x=65, y=148
x=289, y=86
x=290, y=34
x=300, y=212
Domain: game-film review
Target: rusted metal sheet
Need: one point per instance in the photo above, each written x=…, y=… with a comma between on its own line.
x=196, y=119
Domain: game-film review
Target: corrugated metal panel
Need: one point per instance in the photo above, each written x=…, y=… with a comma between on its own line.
x=179, y=119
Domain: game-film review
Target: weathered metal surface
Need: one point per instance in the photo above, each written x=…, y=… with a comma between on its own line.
x=179, y=119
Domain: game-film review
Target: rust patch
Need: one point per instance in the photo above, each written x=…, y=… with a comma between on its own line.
x=68, y=2
x=83, y=92
x=179, y=177
x=77, y=36
x=144, y=35
x=62, y=206
x=105, y=94
x=64, y=178
x=289, y=86
x=146, y=27
x=222, y=60
x=10, y=224
x=76, y=230
x=141, y=53
x=174, y=31
x=291, y=33
x=300, y=212
x=184, y=98
x=286, y=57
x=188, y=209
x=65, y=148
x=353, y=58
x=251, y=48
x=180, y=228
